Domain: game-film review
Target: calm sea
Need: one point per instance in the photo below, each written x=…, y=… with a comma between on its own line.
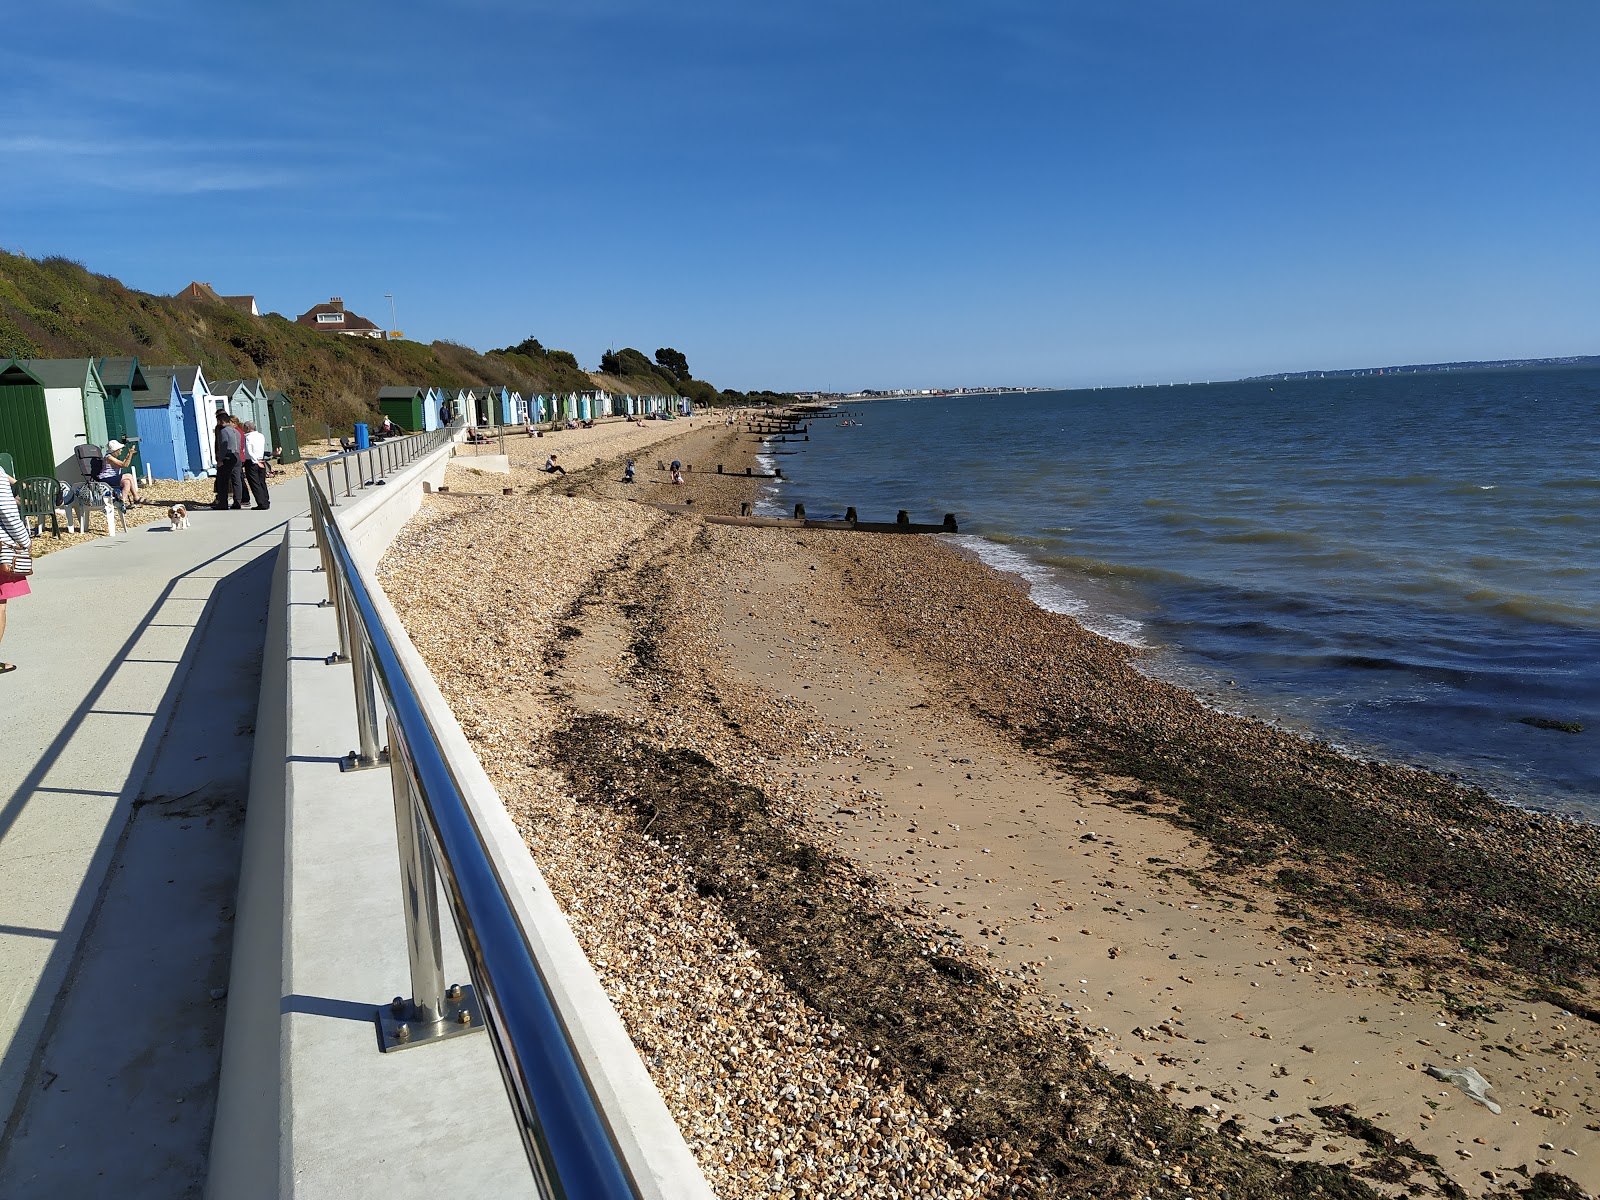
x=1407, y=565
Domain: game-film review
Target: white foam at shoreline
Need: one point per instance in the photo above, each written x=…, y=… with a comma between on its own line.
x=1046, y=590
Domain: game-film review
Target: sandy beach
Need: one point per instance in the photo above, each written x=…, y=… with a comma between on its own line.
x=905, y=887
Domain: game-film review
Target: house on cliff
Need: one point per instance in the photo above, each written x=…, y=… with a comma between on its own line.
x=333, y=317
x=206, y=293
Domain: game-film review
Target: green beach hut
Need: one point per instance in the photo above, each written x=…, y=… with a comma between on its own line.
x=24, y=421
x=122, y=378
x=284, y=435
x=405, y=406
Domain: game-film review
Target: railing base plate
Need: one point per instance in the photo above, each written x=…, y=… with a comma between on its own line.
x=354, y=762
x=396, y=1033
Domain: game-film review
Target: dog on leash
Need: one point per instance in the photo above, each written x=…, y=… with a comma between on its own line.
x=179, y=516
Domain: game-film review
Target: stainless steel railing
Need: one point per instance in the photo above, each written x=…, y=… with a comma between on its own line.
x=566, y=1136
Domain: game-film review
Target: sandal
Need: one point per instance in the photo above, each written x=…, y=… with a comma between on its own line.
x=4, y=667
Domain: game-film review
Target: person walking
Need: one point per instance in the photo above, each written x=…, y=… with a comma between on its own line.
x=255, y=465
x=16, y=563
x=230, y=491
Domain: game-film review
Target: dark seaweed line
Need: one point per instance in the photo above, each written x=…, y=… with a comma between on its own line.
x=950, y=1032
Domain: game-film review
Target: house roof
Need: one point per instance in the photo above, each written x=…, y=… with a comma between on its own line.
x=61, y=372
x=204, y=291
x=347, y=322
x=399, y=392
x=159, y=392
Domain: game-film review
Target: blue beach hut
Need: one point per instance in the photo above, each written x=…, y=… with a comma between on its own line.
x=432, y=402
x=158, y=411
x=199, y=420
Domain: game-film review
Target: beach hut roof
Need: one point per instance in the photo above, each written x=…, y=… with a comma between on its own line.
x=186, y=377
x=399, y=392
x=158, y=393
x=15, y=373
x=61, y=372
x=123, y=371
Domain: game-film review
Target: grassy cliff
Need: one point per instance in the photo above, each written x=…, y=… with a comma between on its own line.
x=57, y=308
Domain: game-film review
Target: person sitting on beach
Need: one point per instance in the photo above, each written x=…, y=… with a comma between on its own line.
x=112, y=468
x=627, y=472
x=530, y=430
x=677, y=475
x=553, y=467
x=571, y=424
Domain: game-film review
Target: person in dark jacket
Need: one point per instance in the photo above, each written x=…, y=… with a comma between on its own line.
x=230, y=464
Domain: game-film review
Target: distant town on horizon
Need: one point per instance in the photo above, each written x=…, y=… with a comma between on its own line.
x=1492, y=364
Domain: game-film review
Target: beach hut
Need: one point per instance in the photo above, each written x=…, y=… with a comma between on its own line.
x=433, y=402
x=466, y=407
x=123, y=379
x=25, y=426
x=284, y=434
x=404, y=406
x=247, y=400
x=76, y=401
x=199, y=419
x=158, y=410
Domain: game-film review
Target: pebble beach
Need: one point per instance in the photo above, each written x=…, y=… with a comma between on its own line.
x=905, y=887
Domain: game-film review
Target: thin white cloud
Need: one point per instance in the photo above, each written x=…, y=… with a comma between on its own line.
x=165, y=167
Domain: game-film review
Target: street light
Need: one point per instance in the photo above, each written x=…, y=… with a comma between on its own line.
x=389, y=296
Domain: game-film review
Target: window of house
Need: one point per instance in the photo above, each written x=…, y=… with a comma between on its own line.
x=330, y=318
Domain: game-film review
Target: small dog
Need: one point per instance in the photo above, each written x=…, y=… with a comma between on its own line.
x=179, y=516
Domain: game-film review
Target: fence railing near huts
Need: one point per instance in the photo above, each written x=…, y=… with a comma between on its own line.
x=569, y=1139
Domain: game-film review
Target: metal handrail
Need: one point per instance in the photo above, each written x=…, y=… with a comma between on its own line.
x=566, y=1136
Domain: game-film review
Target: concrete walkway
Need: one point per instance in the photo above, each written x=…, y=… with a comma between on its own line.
x=126, y=760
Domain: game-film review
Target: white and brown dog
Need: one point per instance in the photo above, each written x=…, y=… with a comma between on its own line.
x=179, y=516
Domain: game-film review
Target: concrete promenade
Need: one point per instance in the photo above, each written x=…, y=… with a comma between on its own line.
x=125, y=763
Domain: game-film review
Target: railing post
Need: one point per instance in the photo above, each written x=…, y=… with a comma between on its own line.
x=424, y=946
x=367, y=754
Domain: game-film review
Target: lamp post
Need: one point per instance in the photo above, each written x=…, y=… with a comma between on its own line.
x=389, y=296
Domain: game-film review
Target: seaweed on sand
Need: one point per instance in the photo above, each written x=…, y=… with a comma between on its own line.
x=952, y=1033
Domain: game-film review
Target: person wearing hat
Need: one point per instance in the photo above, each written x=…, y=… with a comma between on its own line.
x=112, y=468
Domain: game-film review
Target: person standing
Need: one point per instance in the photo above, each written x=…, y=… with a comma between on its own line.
x=230, y=472
x=255, y=465
x=16, y=563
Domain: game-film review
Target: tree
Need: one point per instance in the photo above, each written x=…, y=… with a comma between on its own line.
x=673, y=361
x=610, y=363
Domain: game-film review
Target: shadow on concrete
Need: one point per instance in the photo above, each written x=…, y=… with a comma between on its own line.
x=322, y=1006
x=120, y=1092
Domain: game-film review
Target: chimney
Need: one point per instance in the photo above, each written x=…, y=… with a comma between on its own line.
x=337, y=302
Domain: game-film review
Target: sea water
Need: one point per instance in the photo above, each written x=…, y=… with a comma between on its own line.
x=1408, y=565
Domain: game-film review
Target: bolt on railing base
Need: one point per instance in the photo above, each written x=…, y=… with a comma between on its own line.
x=397, y=1031
x=354, y=762
x=334, y=659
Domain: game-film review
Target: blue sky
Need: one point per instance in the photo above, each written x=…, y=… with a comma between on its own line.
x=841, y=195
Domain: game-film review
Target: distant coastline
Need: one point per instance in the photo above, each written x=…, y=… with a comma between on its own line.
x=1496, y=364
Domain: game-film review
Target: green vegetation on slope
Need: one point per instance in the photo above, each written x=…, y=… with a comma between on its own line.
x=57, y=308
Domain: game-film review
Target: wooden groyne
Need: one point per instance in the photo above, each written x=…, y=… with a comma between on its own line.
x=850, y=524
